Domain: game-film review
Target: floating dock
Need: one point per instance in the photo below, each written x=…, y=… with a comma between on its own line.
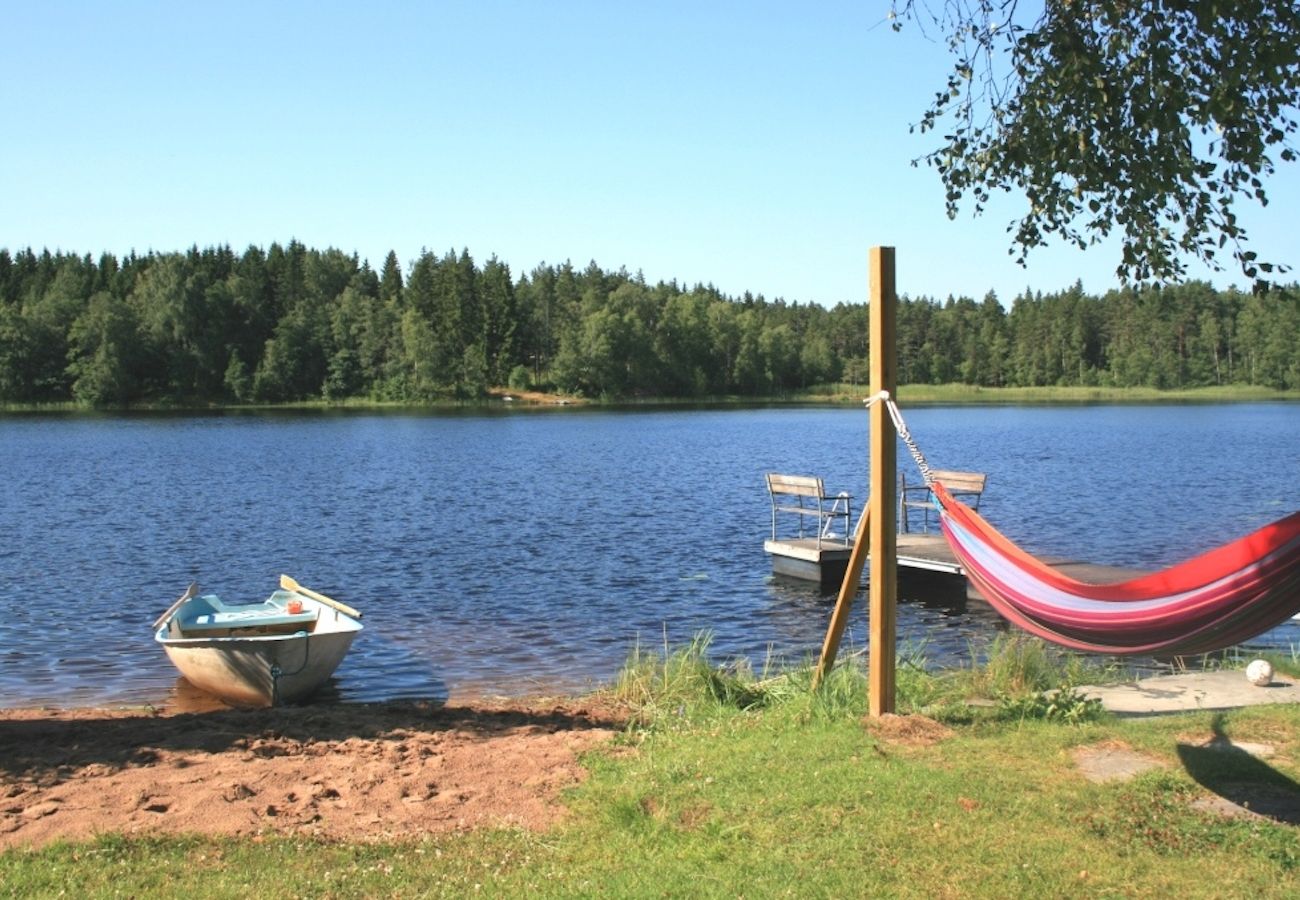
x=809, y=559
x=826, y=564
x=820, y=551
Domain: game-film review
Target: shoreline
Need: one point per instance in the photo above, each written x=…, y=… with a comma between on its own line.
x=197, y=703
x=843, y=394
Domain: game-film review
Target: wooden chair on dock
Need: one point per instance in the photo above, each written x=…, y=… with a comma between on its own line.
x=965, y=486
x=805, y=495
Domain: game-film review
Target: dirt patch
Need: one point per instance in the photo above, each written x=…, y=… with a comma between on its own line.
x=354, y=772
x=535, y=397
x=1111, y=744
x=1112, y=761
x=907, y=731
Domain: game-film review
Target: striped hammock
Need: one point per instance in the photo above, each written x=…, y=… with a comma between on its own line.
x=1216, y=600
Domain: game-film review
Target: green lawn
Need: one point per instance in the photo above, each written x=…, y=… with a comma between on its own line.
x=734, y=785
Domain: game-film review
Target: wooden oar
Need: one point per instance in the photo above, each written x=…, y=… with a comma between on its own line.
x=290, y=585
x=189, y=592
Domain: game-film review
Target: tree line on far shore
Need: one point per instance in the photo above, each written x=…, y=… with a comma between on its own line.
x=290, y=323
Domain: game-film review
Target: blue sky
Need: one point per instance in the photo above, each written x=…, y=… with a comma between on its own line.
x=758, y=146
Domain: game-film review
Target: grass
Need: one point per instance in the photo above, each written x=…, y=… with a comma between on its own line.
x=974, y=394
x=737, y=782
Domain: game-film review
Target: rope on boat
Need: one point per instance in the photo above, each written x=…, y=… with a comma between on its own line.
x=277, y=673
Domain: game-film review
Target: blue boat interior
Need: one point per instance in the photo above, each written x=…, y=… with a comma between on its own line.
x=208, y=613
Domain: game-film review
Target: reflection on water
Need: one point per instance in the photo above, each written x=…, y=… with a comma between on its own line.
x=186, y=698
x=531, y=551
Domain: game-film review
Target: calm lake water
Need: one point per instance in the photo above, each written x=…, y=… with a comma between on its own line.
x=530, y=550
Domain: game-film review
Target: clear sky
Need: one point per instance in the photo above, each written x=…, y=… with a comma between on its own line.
x=758, y=146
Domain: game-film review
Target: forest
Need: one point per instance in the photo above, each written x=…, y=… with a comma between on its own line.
x=289, y=324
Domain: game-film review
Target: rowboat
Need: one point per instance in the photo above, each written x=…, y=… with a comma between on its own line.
x=258, y=654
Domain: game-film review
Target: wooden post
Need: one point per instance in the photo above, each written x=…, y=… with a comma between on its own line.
x=848, y=590
x=881, y=510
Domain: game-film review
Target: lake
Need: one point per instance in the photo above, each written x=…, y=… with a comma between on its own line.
x=527, y=550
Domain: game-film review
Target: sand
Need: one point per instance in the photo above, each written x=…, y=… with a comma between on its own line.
x=363, y=772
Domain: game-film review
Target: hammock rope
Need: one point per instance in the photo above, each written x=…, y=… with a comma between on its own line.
x=904, y=434
x=1215, y=600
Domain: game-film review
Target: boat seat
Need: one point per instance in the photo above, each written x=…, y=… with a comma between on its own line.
x=251, y=618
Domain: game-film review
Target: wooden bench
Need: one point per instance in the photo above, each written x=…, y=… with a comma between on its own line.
x=965, y=486
x=805, y=495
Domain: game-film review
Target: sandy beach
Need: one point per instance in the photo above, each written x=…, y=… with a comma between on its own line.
x=364, y=772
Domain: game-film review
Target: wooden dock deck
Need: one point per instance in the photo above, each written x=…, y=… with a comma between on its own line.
x=917, y=553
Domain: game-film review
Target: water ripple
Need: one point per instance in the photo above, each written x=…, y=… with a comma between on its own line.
x=500, y=553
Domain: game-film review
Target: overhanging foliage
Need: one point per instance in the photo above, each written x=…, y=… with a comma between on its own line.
x=1147, y=118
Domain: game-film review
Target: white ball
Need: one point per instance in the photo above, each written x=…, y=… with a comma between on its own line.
x=1259, y=673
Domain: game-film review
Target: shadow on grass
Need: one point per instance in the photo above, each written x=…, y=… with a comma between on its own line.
x=1240, y=778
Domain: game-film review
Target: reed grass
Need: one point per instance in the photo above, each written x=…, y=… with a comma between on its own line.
x=684, y=682
x=684, y=686
x=844, y=392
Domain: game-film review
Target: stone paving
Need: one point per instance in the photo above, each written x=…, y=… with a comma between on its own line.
x=1262, y=792
x=1191, y=691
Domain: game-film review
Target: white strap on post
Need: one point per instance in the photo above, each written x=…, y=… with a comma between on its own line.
x=904, y=435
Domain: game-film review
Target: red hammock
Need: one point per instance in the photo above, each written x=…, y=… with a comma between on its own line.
x=1215, y=600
